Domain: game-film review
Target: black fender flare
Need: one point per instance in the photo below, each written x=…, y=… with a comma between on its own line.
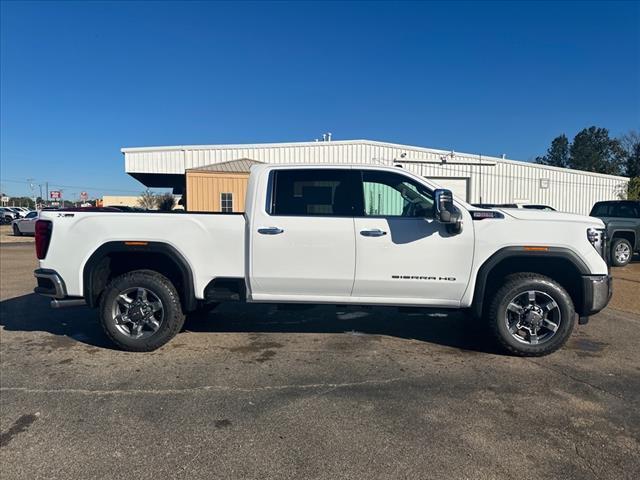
x=494, y=260
x=614, y=231
x=187, y=293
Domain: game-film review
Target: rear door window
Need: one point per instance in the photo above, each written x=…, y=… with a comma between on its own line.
x=625, y=210
x=316, y=192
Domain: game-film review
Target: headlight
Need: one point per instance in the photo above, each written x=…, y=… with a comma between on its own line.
x=596, y=237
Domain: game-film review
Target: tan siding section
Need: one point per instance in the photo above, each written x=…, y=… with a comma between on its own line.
x=204, y=189
x=128, y=201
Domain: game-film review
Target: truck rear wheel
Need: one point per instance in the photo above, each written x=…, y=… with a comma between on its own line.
x=531, y=315
x=140, y=311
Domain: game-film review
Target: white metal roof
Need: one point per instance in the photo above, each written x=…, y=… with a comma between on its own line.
x=408, y=148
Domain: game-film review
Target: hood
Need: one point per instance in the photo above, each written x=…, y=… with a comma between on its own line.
x=546, y=216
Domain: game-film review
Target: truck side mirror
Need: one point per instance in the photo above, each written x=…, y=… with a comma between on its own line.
x=445, y=212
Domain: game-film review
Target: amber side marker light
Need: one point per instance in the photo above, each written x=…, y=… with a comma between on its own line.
x=136, y=244
x=536, y=249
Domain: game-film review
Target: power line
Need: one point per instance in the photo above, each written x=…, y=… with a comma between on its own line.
x=74, y=186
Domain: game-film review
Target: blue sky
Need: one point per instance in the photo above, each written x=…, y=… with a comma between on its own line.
x=80, y=80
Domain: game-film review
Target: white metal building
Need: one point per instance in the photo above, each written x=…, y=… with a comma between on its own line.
x=474, y=178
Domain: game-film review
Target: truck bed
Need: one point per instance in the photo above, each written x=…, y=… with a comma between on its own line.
x=212, y=244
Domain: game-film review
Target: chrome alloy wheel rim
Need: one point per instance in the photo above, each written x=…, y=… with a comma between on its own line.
x=137, y=312
x=532, y=317
x=622, y=253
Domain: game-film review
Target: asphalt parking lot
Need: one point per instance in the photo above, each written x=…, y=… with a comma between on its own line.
x=255, y=392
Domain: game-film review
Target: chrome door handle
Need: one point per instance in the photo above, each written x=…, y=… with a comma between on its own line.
x=270, y=230
x=376, y=232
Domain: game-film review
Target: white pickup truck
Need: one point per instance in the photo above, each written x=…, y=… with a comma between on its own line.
x=336, y=234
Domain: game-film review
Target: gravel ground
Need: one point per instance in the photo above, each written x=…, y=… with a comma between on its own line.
x=626, y=287
x=7, y=236
x=254, y=392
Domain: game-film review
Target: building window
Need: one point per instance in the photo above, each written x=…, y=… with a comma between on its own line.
x=226, y=202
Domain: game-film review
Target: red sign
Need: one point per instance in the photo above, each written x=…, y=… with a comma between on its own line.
x=54, y=194
x=84, y=196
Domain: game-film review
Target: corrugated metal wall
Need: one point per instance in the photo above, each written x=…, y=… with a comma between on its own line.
x=204, y=189
x=491, y=180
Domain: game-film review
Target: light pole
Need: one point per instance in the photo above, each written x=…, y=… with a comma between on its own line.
x=33, y=190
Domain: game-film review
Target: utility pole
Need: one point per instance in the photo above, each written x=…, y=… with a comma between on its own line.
x=32, y=187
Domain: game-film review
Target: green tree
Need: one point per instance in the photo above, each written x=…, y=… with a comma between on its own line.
x=557, y=154
x=593, y=150
x=630, y=142
x=166, y=202
x=148, y=200
x=21, y=202
x=633, y=189
x=633, y=163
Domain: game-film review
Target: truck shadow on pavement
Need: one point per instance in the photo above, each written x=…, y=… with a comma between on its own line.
x=31, y=313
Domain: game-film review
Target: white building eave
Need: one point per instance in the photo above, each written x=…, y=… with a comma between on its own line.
x=459, y=157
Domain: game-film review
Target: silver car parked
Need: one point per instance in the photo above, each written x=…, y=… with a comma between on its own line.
x=26, y=225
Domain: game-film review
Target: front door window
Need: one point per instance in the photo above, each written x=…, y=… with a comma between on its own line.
x=388, y=194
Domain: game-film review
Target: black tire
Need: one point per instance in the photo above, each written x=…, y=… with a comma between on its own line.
x=163, y=289
x=521, y=283
x=16, y=231
x=621, y=243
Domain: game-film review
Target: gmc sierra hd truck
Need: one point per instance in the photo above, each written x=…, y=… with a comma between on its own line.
x=330, y=234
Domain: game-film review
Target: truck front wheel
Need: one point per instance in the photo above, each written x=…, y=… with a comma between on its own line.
x=531, y=315
x=621, y=252
x=140, y=311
